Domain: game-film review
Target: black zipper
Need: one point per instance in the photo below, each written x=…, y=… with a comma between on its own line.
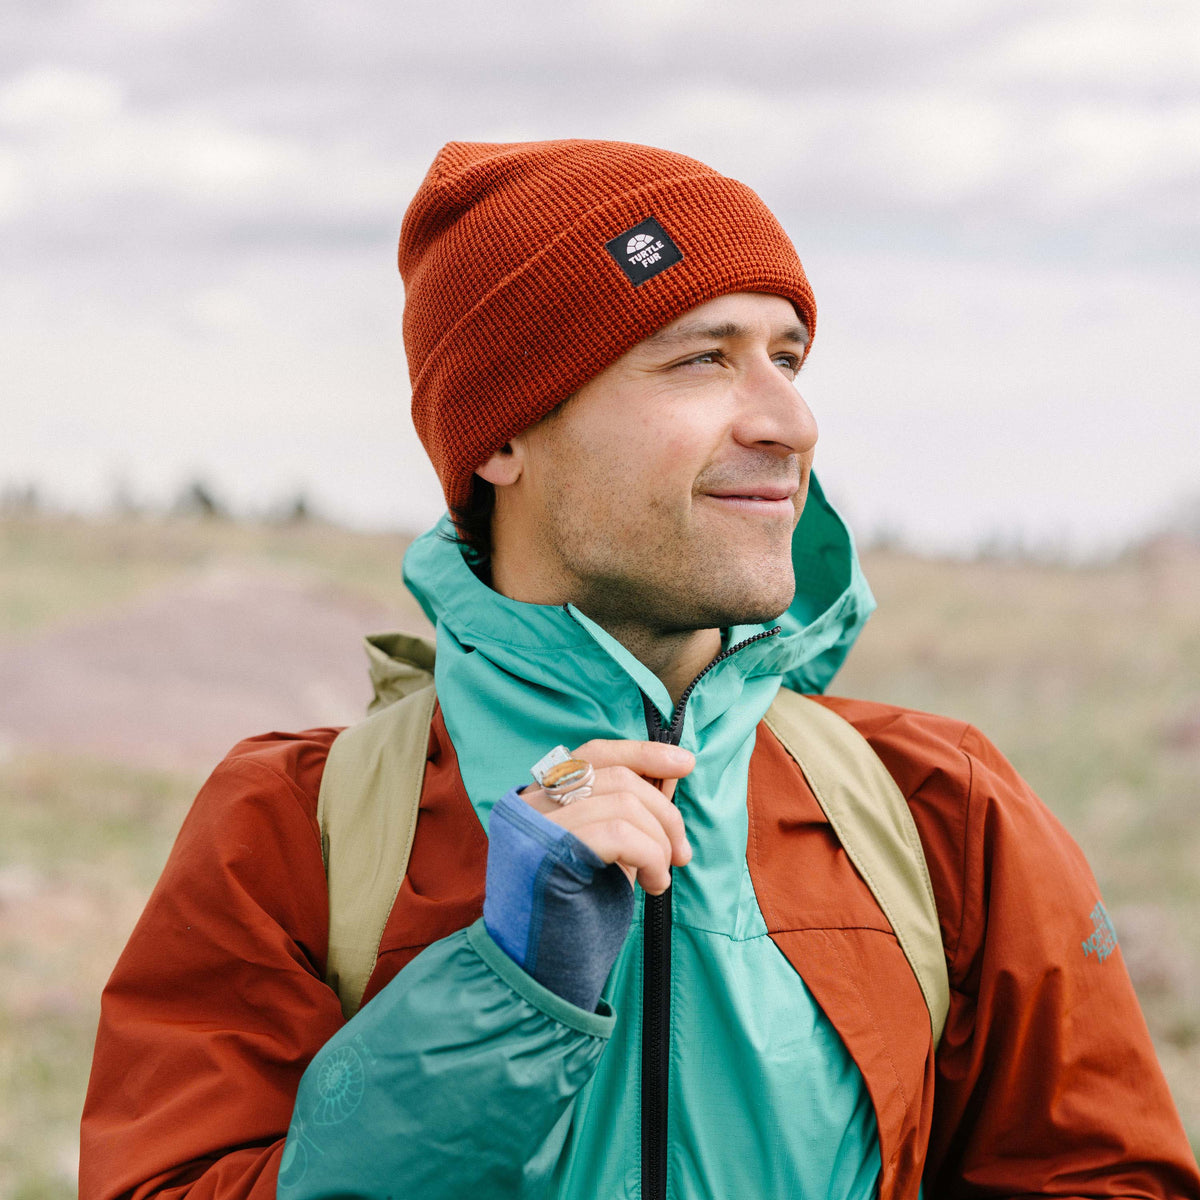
x=656, y=974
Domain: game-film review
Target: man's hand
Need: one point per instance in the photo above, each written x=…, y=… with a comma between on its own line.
x=627, y=819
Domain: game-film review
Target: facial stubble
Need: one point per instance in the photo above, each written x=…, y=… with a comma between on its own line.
x=662, y=566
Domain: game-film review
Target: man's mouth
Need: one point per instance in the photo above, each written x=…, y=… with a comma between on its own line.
x=769, y=500
x=784, y=490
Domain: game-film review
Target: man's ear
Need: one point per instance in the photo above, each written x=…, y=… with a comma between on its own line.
x=505, y=466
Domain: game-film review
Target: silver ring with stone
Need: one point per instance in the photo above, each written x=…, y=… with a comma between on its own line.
x=569, y=781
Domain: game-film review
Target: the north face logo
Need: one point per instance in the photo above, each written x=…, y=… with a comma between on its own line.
x=643, y=251
x=1104, y=937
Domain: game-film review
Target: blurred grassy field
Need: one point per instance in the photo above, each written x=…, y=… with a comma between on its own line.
x=54, y=568
x=1089, y=679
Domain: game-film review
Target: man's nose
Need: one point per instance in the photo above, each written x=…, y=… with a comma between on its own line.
x=771, y=411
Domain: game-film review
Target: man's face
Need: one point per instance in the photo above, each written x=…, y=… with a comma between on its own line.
x=666, y=490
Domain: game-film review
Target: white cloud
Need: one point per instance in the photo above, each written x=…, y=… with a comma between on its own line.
x=923, y=148
x=54, y=98
x=740, y=130
x=1145, y=45
x=73, y=147
x=634, y=21
x=12, y=185
x=89, y=147
x=225, y=311
x=195, y=155
x=937, y=148
x=1105, y=153
x=151, y=17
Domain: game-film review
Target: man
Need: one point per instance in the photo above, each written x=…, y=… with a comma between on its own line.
x=676, y=984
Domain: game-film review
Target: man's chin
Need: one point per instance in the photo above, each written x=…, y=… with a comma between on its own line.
x=744, y=610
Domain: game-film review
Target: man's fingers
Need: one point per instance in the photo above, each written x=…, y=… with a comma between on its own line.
x=622, y=842
x=627, y=819
x=651, y=760
x=618, y=791
x=662, y=810
x=584, y=818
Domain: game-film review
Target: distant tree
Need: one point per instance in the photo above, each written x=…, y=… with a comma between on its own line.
x=293, y=510
x=20, y=500
x=298, y=510
x=197, y=499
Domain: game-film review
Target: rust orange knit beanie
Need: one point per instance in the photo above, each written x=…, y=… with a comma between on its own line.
x=529, y=267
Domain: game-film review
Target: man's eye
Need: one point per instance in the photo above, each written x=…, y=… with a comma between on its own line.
x=709, y=356
x=789, y=362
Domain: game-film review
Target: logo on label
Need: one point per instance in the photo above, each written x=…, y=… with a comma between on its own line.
x=1104, y=936
x=643, y=251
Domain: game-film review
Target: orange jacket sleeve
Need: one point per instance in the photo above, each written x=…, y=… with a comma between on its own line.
x=217, y=1004
x=1047, y=1081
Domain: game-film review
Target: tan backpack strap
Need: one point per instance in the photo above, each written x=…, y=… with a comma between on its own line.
x=367, y=812
x=872, y=820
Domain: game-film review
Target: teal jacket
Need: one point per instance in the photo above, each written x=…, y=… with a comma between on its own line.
x=469, y=1078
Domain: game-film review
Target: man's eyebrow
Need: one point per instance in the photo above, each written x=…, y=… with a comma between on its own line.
x=716, y=333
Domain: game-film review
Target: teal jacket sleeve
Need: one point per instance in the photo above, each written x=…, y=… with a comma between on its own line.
x=457, y=1080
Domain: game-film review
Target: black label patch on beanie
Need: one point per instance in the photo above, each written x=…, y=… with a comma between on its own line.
x=644, y=251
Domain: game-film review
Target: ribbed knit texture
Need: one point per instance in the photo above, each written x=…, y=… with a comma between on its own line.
x=512, y=301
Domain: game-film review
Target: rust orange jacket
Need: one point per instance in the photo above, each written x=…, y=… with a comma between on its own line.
x=1045, y=1083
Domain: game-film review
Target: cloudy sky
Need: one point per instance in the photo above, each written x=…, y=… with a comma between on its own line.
x=998, y=203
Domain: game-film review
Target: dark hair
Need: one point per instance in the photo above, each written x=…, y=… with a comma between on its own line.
x=473, y=525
